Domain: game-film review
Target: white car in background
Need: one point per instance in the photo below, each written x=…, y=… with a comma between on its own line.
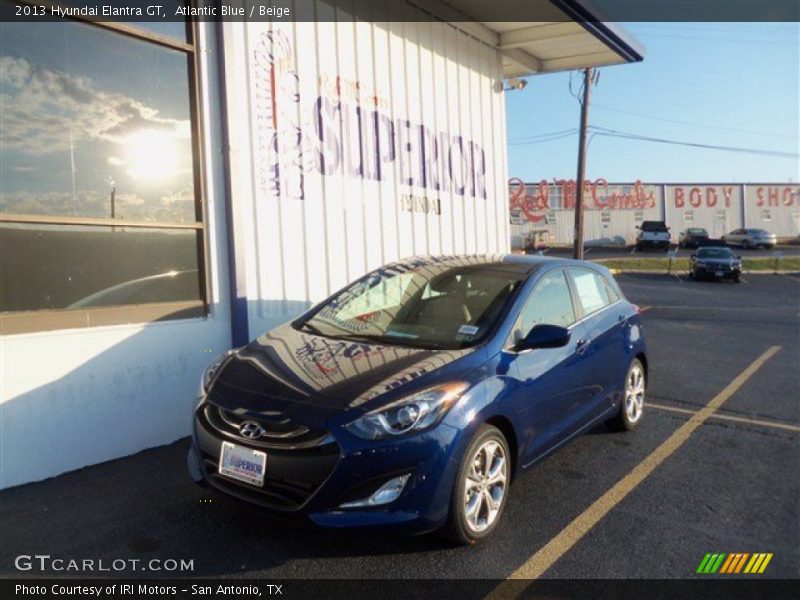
x=750, y=238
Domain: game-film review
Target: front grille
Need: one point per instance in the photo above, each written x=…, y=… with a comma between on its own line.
x=280, y=491
x=295, y=470
x=277, y=434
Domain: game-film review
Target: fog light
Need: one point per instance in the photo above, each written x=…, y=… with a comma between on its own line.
x=388, y=492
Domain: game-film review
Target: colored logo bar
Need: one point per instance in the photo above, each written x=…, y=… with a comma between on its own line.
x=737, y=562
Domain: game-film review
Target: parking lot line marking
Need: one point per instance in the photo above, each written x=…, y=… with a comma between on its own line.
x=747, y=420
x=553, y=550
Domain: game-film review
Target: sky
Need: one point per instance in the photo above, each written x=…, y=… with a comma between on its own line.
x=721, y=84
x=85, y=112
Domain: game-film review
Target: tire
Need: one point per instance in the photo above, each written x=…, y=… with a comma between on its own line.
x=464, y=529
x=627, y=419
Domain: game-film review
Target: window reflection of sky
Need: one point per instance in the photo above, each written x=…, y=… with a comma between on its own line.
x=86, y=111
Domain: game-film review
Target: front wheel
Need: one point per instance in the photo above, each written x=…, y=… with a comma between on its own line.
x=481, y=488
x=630, y=412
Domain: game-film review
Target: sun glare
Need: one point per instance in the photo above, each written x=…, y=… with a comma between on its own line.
x=152, y=155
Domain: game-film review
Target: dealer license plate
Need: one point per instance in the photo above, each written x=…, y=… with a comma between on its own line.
x=242, y=463
x=718, y=273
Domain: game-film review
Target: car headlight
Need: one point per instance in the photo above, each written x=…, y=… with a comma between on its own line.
x=211, y=371
x=412, y=413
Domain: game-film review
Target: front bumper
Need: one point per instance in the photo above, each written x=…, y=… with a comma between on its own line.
x=653, y=243
x=313, y=482
x=712, y=272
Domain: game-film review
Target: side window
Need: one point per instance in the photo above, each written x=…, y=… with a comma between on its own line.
x=593, y=291
x=550, y=303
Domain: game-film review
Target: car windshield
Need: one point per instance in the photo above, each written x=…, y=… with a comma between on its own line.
x=653, y=226
x=715, y=253
x=697, y=231
x=758, y=232
x=430, y=306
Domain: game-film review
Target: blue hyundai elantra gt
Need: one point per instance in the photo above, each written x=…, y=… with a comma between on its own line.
x=413, y=397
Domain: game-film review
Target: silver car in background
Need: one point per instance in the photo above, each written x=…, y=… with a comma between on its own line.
x=750, y=238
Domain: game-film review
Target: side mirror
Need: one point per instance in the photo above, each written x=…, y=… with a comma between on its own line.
x=544, y=336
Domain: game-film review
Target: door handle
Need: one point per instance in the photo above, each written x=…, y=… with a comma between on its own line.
x=581, y=346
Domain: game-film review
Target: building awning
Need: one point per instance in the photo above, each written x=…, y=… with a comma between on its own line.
x=574, y=36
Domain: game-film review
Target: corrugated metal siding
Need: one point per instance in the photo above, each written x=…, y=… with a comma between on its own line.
x=717, y=208
x=774, y=207
x=308, y=233
x=610, y=217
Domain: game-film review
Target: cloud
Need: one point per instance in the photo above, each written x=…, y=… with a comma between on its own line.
x=47, y=111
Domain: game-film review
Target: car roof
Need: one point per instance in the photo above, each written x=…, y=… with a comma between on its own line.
x=520, y=264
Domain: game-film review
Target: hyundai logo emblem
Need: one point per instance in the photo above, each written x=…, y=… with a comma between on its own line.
x=251, y=430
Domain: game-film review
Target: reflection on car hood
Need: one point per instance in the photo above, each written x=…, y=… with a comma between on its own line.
x=293, y=367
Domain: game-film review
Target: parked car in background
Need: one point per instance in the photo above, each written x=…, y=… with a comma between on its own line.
x=692, y=237
x=653, y=234
x=750, y=238
x=413, y=397
x=715, y=263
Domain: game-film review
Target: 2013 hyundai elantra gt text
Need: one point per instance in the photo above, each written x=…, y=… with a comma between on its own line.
x=415, y=395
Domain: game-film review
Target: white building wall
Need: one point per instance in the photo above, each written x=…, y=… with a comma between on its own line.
x=79, y=397
x=537, y=210
x=611, y=212
x=715, y=207
x=774, y=207
x=322, y=199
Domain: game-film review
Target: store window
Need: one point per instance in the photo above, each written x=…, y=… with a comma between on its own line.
x=100, y=202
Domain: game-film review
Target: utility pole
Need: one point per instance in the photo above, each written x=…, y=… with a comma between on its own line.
x=578, y=241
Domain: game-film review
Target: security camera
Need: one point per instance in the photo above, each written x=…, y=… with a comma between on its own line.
x=517, y=84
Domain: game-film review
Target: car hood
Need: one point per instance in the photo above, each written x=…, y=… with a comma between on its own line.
x=717, y=261
x=286, y=370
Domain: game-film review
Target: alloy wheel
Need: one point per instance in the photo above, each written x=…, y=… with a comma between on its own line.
x=634, y=393
x=485, y=485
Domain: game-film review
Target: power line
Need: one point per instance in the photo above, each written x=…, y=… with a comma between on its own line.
x=693, y=124
x=540, y=140
x=541, y=135
x=633, y=136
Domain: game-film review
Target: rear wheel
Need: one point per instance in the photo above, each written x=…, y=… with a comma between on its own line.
x=632, y=408
x=481, y=488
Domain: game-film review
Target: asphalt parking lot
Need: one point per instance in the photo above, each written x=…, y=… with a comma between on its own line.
x=732, y=485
